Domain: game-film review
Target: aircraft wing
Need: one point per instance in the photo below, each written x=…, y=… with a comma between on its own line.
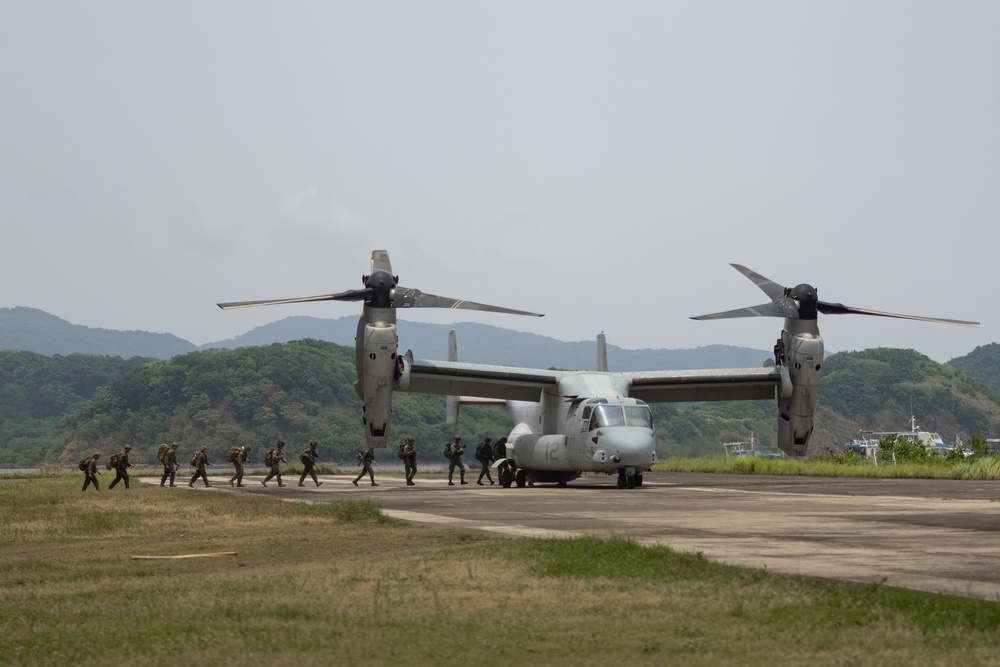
x=453, y=378
x=721, y=384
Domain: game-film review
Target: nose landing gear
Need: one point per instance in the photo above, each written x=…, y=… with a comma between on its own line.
x=629, y=478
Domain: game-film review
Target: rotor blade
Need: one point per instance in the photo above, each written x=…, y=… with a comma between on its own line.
x=769, y=287
x=840, y=309
x=350, y=295
x=380, y=262
x=404, y=297
x=764, y=310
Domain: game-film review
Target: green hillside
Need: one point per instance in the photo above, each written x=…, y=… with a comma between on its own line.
x=298, y=391
x=982, y=364
x=56, y=409
x=37, y=391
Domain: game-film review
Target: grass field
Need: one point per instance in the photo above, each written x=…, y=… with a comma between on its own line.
x=339, y=584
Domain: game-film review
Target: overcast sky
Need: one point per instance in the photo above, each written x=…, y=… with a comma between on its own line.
x=600, y=162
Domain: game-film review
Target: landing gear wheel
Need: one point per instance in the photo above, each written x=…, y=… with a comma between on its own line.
x=521, y=478
x=505, y=477
x=638, y=480
x=621, y=480
x=630, y=481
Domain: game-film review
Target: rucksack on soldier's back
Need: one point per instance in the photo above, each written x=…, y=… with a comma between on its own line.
x=234, y=452
x=161, y=453
x=447, y=451
x=113, y=461
x=84, y=464
x=269, y=457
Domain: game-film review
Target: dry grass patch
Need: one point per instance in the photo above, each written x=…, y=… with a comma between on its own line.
x=341, y=584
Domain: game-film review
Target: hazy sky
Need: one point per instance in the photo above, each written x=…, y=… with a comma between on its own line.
x=600, y=162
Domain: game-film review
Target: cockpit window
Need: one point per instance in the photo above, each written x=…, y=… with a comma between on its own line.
x=607, y=415
x=639, y=416
x=615, y=415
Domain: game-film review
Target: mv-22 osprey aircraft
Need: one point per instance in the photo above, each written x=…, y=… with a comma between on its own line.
x=570, y=422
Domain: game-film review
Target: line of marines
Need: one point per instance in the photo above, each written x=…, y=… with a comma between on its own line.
x=486, y=453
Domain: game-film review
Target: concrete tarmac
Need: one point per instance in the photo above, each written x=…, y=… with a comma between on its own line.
x=939, y=536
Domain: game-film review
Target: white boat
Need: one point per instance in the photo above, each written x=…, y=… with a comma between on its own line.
x=866, y=444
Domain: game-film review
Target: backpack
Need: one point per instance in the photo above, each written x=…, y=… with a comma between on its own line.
x=401, y=454
x=361, y=455
x=113, y=461
x=84, y=464
x=194, y=460
x=483, y=451
x=269, y=457
x=234, y=453
x=161, y=453
x=447, y=451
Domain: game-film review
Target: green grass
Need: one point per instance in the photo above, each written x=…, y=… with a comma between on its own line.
x=341, y=584
x=827, y=466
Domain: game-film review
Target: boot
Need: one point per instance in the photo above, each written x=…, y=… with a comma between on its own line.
x=231, y=483
x=301, y=484
x=354, y=482
x=374, y=483
x=264, y=482
x=319, y=483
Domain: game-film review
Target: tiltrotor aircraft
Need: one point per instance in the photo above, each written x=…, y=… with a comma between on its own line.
x=570, y=422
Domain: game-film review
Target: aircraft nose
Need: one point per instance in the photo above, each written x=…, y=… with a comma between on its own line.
x=628, y=446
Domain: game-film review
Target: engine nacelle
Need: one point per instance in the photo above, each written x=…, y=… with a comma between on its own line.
x=803, y=359
x=378, y=364
x=541, y=452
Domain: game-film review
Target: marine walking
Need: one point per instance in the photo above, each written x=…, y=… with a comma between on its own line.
x=199, y=461
x=453, y=451
x=169, y=464
x=408, y=453
x=90, y=471
x=119, y=461
x=366, y=457
x=239, y=459
x=308, y=458
x=273, y=458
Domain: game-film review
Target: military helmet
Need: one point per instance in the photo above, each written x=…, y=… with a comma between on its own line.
x=409, y=438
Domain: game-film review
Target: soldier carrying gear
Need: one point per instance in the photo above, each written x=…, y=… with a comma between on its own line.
x=408, y=452
x=238, y=462
x=90, y=471
x=484, y=454
x=308, y=458
x=170, y=464
x=119, y=462
x=455, y=461
x=277, y=458
x=366, y=457
x=199, y=461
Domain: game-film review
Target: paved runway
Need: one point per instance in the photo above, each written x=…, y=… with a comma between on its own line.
x=930, y=535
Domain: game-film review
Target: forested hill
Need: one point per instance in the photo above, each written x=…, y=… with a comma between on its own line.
x=303, y=390
x=297, y=391
x=36, y=391
x=880, y=388
x=983, y=364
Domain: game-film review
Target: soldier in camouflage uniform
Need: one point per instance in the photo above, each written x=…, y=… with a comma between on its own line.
x=170, y=465
x=455, y=451
x=277, y=459
x=238, y=463
x=199, y=461
x=91, y=472
x=484, y=454
x=308, y=458
x=121, y=465
x=408, y=452
x=366, y=457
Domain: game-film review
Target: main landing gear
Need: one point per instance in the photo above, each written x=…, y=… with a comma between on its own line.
x=629, y=478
